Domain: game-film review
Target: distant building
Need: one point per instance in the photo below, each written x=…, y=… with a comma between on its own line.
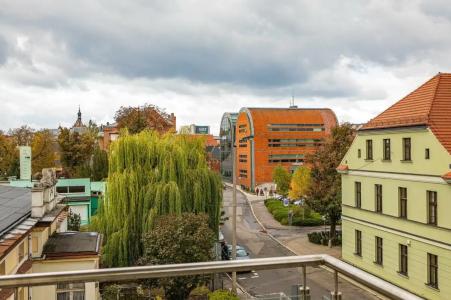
x=78, y=125
x=81, y=195
x=268, y=137
x=396, y=192
x=227, y=139
x=108, y=133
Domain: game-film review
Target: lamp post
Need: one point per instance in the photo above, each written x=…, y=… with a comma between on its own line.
x=234, y=155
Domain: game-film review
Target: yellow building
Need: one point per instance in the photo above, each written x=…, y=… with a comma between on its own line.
x=33, y=239
x=396, y=180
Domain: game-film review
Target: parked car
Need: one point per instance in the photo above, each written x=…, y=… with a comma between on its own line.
x=299, y=202
x=241, y=252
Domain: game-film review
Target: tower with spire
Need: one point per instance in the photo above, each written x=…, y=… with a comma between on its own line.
x=78, y=125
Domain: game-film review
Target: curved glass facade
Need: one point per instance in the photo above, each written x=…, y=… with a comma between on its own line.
x=227, y=136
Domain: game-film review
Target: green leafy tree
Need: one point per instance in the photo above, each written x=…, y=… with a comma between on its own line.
x=175, y=239
x=152, y=175
x=9, y=157
x=99, y=168
x=281, y=178
x=42, y=149
x=324, y=195
x=73, y=221
x=300, y=183
x=76, y=150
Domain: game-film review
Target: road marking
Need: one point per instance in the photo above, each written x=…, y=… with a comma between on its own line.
x=242, y=278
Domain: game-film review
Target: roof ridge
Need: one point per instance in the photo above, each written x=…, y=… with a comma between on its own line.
x=419, y=87
x=433, y=98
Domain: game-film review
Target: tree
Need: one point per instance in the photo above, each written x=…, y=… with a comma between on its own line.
x=324, y=195
x=76, y=149
x=42, y=149
x=281, y=178
x=152, y=175
x=9, y=157
x=99, y=168
x=22, y=136
x=73, y=221
x=148, y=116
x=175, y=239
x=300, y=183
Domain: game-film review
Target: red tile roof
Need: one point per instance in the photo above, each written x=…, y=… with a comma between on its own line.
x=447, y=177
x=342, y=168
x=428, y=105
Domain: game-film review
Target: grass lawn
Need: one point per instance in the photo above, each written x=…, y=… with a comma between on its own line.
x=302, y=216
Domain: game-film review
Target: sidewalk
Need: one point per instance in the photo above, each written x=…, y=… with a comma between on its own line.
x=293, y=237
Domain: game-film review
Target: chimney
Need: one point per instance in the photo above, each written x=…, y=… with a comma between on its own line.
x=43, y=194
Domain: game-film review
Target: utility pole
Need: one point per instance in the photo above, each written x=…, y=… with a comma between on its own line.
x=234, y=283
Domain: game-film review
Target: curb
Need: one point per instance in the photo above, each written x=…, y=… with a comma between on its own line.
x=292, y=251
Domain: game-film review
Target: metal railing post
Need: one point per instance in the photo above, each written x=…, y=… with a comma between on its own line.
x=336, y=295
x=305, y=290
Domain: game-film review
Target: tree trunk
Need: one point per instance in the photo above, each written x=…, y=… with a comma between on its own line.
x=333, y=230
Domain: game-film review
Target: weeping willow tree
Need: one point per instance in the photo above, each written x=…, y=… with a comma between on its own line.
x=152, y=175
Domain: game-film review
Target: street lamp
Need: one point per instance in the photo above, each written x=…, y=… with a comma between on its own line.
x=234, y=155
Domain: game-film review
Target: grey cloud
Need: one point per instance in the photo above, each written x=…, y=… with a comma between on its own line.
x=256, y=43
x=3, y=50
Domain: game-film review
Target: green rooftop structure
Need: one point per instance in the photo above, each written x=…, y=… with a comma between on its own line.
x=81, y=195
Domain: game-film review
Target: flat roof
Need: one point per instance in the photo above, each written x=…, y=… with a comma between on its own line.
x=63, y=244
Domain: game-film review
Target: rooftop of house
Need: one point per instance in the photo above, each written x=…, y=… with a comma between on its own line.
x=429, y=105
x=72, y=244
x=15, y=206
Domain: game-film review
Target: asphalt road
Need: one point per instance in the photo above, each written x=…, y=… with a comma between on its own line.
x=259, y=245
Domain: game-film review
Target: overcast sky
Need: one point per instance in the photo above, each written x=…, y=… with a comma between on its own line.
x=200, y=59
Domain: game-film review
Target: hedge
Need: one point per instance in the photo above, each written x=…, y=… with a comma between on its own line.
x=302, y=215
x=322, y=238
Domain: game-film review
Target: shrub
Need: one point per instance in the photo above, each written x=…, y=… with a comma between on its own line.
x=302, y=215
x=222, y=295
x=322, y=238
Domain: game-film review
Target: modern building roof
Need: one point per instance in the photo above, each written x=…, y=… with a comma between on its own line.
x=429, y=105
x=64, y=244
x=292, y=115
x=15, y=206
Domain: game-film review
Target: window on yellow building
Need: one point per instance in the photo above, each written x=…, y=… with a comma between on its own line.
x=369, y=149
x=358, y=194
x=379, y=251
x=433, y=270
x=358, y=243
x=387, y=150
x=21, y=251
x=403, y=260
x=427, y=153
x=432, y=207
x=407, y=149
x=378, y=196
x=70, y=291
x=402, y=202
x=2, y=268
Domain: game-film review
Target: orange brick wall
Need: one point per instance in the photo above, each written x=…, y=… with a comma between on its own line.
x=261, y=119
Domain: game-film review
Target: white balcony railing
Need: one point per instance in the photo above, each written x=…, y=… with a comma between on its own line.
x=160, y=271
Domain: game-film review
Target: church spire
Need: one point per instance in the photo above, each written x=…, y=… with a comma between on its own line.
x=79, y=123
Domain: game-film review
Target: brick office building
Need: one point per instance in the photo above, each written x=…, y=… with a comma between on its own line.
x=268, y=137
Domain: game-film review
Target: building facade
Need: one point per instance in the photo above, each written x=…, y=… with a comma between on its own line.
x=396, y=193
x=33, y=222
x=227, y=139
x=268, y=137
